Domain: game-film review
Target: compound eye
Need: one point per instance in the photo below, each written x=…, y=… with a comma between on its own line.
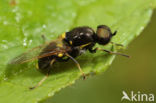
x=103, y=33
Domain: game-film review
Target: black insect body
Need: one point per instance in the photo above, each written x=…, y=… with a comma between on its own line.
x=68, y=46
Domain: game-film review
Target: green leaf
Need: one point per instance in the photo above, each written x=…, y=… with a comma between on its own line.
x=22, y=23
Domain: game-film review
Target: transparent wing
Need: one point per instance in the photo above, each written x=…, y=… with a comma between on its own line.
x=36, y=53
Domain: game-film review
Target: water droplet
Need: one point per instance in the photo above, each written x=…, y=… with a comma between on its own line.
x=15, y=9
x=5, y=78
x=4, y=41
x=25, y=34
x=50, y=94
x=5, y=22
x=5, y=46
x=44, y=26
x=18, y=17
x=24, y=42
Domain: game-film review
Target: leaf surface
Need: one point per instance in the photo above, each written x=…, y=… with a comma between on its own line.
x=23, y=22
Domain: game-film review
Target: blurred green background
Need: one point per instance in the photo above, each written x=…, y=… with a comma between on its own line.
x=135, y=74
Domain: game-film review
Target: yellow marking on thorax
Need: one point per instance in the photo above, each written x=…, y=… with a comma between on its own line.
x=70, y=42
x=63, y=35
x=84, y=45
x=60, y=55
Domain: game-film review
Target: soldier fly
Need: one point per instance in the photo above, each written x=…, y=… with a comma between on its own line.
x=67, y=46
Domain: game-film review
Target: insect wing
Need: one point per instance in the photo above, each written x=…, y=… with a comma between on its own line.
x=34, y=53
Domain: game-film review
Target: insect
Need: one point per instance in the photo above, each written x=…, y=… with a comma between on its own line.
x=67, y=46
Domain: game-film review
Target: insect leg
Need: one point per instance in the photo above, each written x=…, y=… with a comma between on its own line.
x=52, y=62
x=77, y=64
x=91, y=50
x=45, y=77
x=42, y=80
x=117, y=44
x=110, y=52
